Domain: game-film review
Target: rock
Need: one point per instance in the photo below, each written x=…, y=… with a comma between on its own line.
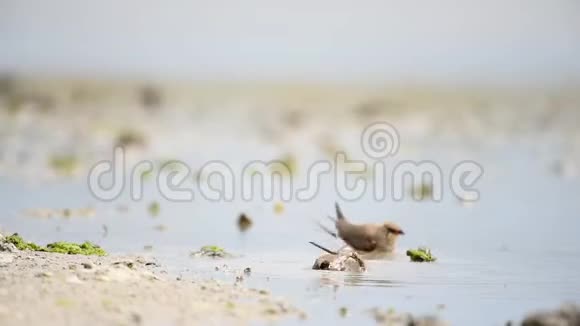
x=566, y=315
x=244, y=222
x=348, y=261
x=87, y=265
x=7, y=247
x=136, y=318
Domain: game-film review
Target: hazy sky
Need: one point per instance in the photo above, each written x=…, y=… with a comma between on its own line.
x=522, y=41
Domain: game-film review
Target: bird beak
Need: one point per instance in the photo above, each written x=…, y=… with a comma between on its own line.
x=401, y=232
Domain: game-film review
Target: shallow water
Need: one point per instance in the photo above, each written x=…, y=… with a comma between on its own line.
x=513, y=251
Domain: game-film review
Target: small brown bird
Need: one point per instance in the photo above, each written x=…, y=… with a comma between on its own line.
x=372, y=241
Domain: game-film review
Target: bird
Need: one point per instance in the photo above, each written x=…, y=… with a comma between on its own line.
x=371, y=240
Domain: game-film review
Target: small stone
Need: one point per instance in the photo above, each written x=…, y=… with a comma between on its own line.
x=136, y=318
x=247, y=270
x=87, y=265
x=244, y=222
x=7, y=247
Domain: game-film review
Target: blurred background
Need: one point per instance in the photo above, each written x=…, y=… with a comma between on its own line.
x=496, y=82
x=476, y=42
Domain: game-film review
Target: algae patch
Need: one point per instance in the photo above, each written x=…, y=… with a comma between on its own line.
x=154, y=208
x=421, y=254
x=422, y=192
x=17, y=241
x=85, y=248
x=61, y=247
x=211, y=251
x=64, y=164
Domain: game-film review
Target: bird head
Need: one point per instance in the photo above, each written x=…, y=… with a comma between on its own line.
x=393, y=229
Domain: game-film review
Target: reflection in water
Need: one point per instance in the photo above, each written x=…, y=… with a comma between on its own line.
x=362, y=280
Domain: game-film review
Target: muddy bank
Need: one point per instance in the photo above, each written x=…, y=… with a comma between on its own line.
x=57, y=289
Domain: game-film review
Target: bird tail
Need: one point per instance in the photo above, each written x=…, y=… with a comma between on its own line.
x=322, y=248
x=339, y=214
x=327, y=230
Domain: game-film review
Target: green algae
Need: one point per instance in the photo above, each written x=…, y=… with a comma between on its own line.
x=62, y=247
x=211, y=251
x=17, y=241
x=421, y=254
x=154, y=208
x=423, y=192
x=64, y=164
x=86, y=248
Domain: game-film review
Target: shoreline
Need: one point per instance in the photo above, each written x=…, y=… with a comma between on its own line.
x=57, y=289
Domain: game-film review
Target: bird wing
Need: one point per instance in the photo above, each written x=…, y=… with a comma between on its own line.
x=362, y=244
x=359, y=238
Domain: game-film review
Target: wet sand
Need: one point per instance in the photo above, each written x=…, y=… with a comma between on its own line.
x=55, y=289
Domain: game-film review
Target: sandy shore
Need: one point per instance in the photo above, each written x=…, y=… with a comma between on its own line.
x=39, y=288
